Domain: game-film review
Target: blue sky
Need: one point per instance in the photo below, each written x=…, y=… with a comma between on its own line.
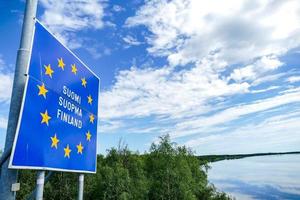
x=219, y=77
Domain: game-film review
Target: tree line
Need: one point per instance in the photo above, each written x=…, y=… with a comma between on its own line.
x=215, y=158
x=165, y=172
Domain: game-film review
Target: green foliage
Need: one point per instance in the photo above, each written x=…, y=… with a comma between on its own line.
x=27, y=180
x=167, y=172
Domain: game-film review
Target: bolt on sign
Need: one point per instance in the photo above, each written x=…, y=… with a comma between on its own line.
x=57, y=127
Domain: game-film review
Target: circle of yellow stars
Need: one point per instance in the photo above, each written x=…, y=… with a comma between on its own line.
x=46, y=117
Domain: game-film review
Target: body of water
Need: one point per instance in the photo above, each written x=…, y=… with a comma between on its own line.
x=265, y=177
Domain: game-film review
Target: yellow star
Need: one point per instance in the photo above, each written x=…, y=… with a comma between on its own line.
x=67, y=151
x=88, y=136
x=92, y=118
x=79, y=148
x=61, y=63
x=83, y=82
x=42, y=90
x=90, y=99
x=54, y=141
x=48, y=71
x=74, y=69
x=45, y=118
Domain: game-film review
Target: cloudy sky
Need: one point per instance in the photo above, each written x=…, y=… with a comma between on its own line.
x=217, y=76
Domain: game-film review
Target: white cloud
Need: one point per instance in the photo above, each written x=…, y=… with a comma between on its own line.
x=278, y=133
x=268, y=78
x=131, y=40
x=265, y=90
x=3, y=123
x=6, y=79
x=96, y=53
x=182, y=96
x=65, y=18
x=221, y=118
x=256, y=70
x=146, y=92
x=118, y=8
x=215, y=35
x=212, y=35
x=236, y=31
x=109, y=126
x=217, y=52
x=72, y=15
x=293, y=79
x=5, y=87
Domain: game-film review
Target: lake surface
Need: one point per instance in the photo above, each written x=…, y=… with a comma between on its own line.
x=265, y=177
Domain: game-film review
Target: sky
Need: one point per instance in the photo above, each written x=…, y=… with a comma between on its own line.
x=221, y=77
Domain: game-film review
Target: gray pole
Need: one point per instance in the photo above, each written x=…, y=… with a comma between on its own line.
x=40, y=185
x=9, y=176
x=80, y=186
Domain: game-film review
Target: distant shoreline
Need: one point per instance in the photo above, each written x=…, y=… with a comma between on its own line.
x=216, y=158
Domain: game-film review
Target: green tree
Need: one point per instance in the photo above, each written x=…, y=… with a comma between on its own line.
x=175, y=173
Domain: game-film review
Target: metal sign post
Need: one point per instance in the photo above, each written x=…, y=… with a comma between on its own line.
x=9, y=176
x=40, y=185
x=80, y=186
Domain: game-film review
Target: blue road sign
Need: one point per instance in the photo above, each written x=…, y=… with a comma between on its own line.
x=57, y=128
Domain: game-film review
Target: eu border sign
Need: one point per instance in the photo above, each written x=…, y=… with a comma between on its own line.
x=57, y=127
